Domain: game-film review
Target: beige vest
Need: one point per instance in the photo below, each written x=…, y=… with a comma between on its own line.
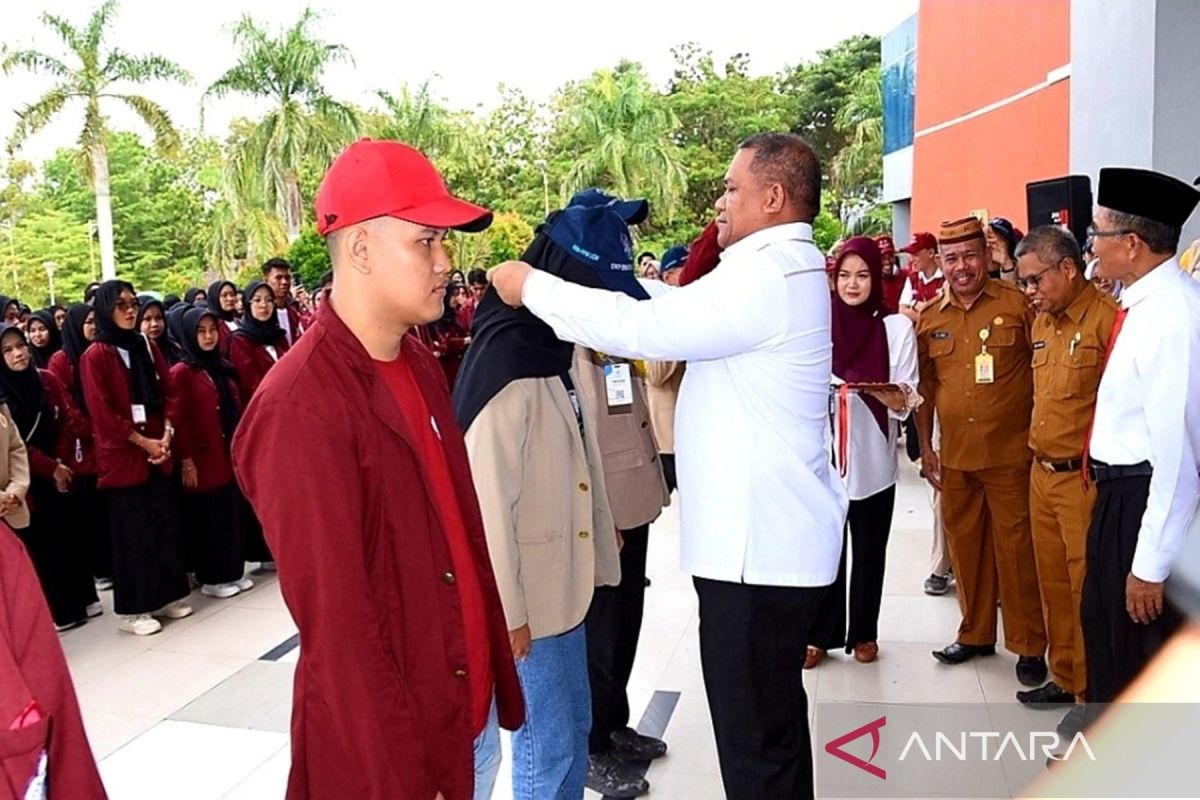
x=14, y=470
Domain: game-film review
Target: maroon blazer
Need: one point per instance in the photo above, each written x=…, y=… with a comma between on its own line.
x=252, y=362
x=198, y=429
x=295, y=322
x=121, y=463
x=33, y=670
x=76, y=449
x=381, y=707
x=68, y=425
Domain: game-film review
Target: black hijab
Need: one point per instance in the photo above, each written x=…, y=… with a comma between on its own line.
x=25, y=395
x=189, y=296
x=510, y=344
x=74, y=344
x=259, y=332
x=168, y=347
x=5, y=302
x=41, y=355
x=218, y=369
x=145, y=386
x=213, y=295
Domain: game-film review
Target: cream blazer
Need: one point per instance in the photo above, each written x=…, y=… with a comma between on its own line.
x=550, y=532
x=14, y=468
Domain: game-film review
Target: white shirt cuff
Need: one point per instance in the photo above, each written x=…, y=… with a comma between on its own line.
x=1150, y=566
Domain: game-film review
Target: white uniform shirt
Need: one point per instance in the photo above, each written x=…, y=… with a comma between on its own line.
x=759, y=500
x=1148, y=408
x=872, y=465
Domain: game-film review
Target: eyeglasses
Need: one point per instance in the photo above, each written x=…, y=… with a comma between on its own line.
x=127, y=305
x=1094, y=233
x=1034, y=280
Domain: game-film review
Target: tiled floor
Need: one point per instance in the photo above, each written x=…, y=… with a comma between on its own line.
x=195, y=713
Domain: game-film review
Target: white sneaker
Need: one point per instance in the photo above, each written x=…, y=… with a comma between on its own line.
x=103, y=584
x=245, y=584
x=70, y=626
x=95, y=609
x=140, y=625
x=177, y=610
x=220, y=590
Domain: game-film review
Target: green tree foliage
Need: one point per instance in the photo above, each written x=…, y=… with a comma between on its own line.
x=98, y=75
x=304, y=121
x=309, y=256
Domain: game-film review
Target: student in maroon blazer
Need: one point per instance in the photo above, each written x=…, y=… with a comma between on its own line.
x=208, y=411
x=259, y=342
x=78, y=450
x=222, y=302
x=41, y=730
x=277, y=273
x=352, y=458
x=254, y=348
x=127, y=389
x=43, y=414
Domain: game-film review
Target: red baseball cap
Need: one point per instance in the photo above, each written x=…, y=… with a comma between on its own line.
x=376, y=178
x=921, y=241
x=886, y=245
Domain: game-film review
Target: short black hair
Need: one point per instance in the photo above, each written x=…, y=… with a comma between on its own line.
x=1161, y=238
x=274, y=264
x=477, y=276
x=790, y=161
x=645, y=254
x=1051, y=244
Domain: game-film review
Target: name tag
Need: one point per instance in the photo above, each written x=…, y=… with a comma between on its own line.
x=940, y=335
x=1039, y=344
x=985, y=368
x=618, y=385
x=139, y=414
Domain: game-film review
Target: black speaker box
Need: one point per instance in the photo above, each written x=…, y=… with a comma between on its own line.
x=1061, y=201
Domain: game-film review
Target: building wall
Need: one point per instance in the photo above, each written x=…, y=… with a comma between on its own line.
x=992, y=106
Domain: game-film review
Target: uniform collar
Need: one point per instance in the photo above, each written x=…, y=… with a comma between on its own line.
x=1155, y=280
x=768, y=236
x=989, y=289
x=1079, y=306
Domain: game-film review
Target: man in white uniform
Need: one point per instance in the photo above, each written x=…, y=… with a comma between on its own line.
x=761, y=510
x=1145, y=444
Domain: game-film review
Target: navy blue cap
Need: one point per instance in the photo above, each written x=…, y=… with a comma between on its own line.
x=599, y=238
x=673, y=258
x=634, y=212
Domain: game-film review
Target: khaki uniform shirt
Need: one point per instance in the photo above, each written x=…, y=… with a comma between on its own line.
x=1068, y=352
x=983, y=425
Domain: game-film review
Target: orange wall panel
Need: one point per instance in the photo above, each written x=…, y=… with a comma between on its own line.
x=974, y=52
x=986, y=161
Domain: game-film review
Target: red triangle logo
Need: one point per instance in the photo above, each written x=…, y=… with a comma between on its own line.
x=834, y=748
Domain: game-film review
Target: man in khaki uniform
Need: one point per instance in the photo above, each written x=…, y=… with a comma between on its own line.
x=663, y=380
x=614, y=394
x=974, y=352
x=1070, y=334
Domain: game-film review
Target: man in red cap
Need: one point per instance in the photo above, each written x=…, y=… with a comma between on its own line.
x=924, y=275
x=405, y=658
x=894, y=276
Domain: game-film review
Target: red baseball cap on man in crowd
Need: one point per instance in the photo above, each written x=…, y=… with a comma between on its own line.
x=885, y=243
x=921, y=241
x=379, y=178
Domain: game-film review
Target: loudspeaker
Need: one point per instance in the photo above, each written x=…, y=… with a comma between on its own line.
x=1061, y=201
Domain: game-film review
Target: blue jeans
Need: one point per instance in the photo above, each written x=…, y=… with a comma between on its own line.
x=550, y=751
x=487, y=757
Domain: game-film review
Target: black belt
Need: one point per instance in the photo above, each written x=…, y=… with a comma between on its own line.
x=1102, y=472
x=1070, y=465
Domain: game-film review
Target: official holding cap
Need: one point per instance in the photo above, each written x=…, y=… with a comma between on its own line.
x=762, y=510
x=376, y=530
x=1145, y=442
x=974, y=352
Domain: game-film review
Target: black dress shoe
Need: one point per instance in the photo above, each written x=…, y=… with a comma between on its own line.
x=958, y=653
x=1049, y=696
x=629, y=745
x=1031, y=670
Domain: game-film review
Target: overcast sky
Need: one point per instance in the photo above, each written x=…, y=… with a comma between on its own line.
x=471, y=45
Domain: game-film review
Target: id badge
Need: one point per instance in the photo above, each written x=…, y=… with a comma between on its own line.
x=618, y=385
x=139, y=414
x=985, y=368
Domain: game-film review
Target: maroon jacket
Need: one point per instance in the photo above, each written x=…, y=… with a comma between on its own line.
x=198, y=427
x=295, y=322
x=68, y=424
x=381, y=706
x=252, y=362
x=77, y=448
x=121, y=463
x=33, y=670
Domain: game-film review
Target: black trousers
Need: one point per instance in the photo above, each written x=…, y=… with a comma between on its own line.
x=1117, y=648
x=148, y=548
x=254, y=546
x=752, y=642
x=613, y=625
x=93, y=519
x=668, y=467
x=868, y=523
x=58, y=550
x=213, y=529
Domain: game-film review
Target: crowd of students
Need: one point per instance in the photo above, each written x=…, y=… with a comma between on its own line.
x=120, y=411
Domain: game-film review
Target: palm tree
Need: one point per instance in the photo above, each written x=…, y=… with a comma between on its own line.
x=621, y=133
x=92, y=81
x=857, y=171
x=304, y=122
x=418, y=120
